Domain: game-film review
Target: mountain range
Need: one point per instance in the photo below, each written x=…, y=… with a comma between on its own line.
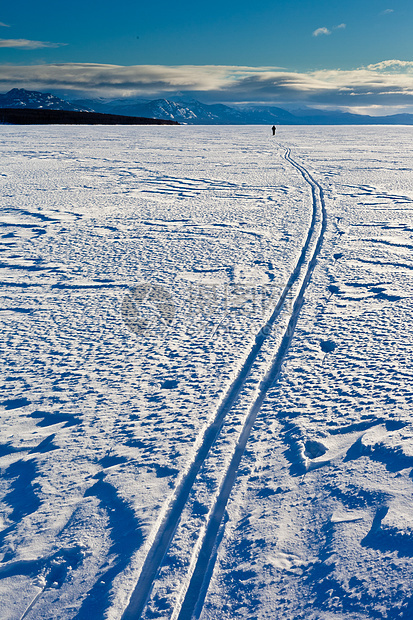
x=194, y=112
x=30, y=99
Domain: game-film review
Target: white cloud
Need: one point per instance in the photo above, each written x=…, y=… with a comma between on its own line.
x=26, y=44
x=5, y=25
x=326, y=31
x=387, y=12
x=319, y=31
x=401, y=66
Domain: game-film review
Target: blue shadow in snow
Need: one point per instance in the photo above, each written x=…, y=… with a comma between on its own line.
x=126, y=539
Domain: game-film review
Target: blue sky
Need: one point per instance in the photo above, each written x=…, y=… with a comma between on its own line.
x=320, y=53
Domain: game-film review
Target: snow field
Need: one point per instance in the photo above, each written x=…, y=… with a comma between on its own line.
x=100, y=422
x=138, y=266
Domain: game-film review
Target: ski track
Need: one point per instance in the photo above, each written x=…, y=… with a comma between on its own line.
x=194, y=589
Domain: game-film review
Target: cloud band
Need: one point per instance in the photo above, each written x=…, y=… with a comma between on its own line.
x=386, y=83
x=27, y=44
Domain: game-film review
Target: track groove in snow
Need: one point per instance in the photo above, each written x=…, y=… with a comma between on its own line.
x=191, y=593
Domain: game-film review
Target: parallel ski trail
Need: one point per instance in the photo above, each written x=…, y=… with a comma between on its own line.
x=167, y=528
x=197, y=587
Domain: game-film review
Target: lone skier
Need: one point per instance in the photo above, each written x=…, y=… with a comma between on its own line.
x=273, y=130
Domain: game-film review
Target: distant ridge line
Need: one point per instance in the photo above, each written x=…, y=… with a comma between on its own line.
x=32, y=116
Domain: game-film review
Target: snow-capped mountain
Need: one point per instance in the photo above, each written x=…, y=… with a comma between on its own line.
x=21, y=98
x=193, y=112
x=163, y=108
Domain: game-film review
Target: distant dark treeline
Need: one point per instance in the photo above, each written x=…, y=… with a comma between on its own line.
x=24, y=116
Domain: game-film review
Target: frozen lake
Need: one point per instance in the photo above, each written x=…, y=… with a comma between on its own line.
x=207, y=339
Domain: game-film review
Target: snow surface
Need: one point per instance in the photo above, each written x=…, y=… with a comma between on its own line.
x=138, y=266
